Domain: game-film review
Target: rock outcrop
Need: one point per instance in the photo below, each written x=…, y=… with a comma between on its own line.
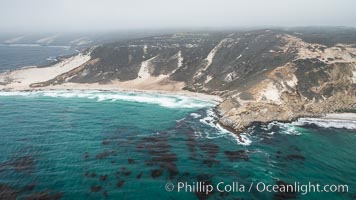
x=262, y=75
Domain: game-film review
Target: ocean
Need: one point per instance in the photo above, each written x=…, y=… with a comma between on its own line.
x=20, y=55
x=121, y=145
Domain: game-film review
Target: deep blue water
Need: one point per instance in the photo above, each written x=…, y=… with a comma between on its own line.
x=17, y=56
x=99, y=145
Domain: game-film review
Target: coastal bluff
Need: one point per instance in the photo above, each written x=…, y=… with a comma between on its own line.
x=261, y=75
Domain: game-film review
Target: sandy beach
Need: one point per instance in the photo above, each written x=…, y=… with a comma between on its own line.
x=340, y=116
x=21, y=79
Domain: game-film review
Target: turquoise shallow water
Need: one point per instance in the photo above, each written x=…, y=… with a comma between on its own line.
x=96, y=145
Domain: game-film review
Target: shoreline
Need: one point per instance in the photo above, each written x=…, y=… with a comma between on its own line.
x=328, y=117
x=340, y=116
x=34, y=79
x=301, y=120
x=24, y=78
x=199, y=96
x=318, y=119
x=330, y=120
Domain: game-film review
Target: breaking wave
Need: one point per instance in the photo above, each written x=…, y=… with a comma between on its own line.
x=169, y=101
x=211, y=120
x=284, y=128
x=326, y=123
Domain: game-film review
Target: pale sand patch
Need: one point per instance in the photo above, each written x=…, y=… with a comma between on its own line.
x=271, y=93
x=145, y=81
x=180, y=62
x=341, y=116
x=144, y=72
x=208, y=78
x=293, y=82
x=22, y=78
x=209, y=58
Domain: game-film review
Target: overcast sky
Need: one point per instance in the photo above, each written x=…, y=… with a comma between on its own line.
x=78, y=15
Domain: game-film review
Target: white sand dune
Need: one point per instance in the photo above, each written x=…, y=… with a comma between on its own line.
x=22, y=79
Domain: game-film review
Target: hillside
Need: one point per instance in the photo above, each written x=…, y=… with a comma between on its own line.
x=262, y=75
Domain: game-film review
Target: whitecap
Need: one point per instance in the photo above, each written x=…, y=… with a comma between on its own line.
x=285, y=128
x=210, y=119
x=195, y=115
x=51, y=58
x=271, y=133
x=242, y=139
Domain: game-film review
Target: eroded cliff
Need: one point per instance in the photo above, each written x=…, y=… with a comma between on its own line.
x=262, y=75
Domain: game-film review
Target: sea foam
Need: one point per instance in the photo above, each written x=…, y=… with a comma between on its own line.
x=284, y=128
x=169, y=101
x=326, y=123
x=211, y=120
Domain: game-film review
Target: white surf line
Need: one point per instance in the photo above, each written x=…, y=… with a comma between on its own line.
x=210, y=120
x=169, y=101
x=326, y=123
